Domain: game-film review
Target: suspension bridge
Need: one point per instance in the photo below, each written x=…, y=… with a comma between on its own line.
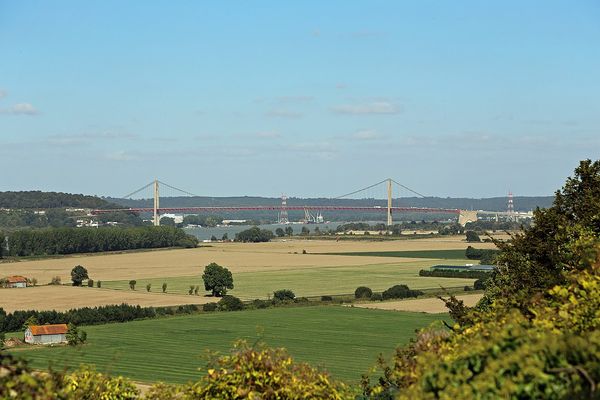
x=463, y=216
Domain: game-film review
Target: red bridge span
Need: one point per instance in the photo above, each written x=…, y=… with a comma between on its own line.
x=163, y=210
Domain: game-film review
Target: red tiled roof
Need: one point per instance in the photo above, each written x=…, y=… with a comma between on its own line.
x=16, y=279
x=48, y=329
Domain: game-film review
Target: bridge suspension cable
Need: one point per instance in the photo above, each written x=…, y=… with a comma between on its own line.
x=177, y=189
x=137, y=191
x=360, y=190
x=409, y=189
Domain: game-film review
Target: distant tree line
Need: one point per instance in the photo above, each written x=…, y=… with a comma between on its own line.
x=57, y=218
x=43, y=200
x=455, y=274
x=485, y=256
x=11, y=322
x=254, y=235
x=51, y=241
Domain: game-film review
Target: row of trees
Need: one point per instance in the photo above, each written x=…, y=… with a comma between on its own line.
x=455, y=274
x=485, y=256
x=10, y=322
x=254, y=235
x=89, y=240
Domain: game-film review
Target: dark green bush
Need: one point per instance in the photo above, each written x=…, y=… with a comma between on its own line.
x=363, y=292
x=377, y=297
x=209, y=307
x=283, y=295
x=230, y=303
x=400, y=292
x=259, y=304
x=326, y=298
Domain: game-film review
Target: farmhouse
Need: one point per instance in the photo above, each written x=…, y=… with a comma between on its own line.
x=16, y=281
x=46, y=334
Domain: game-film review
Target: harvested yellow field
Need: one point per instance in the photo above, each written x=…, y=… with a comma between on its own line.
x=430, y=305
x=238, y=257
x=62, y=298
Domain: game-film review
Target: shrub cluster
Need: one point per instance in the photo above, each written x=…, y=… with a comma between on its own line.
x=284, y=295
x=363, y=292
x=254, y=235
x=35, y=242
x=400, y=292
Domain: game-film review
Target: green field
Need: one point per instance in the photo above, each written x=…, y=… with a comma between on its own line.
x=310, y=281
x=440, y=254
x=343, y=340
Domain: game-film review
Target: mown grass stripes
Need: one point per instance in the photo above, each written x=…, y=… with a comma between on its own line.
x=343, y=340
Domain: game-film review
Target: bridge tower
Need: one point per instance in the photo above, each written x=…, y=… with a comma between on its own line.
x=283, y=214
x=389, y=203
x=156, y=203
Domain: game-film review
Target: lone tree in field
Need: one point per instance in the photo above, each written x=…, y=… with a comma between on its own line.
x=78, y=275
x=217, y=279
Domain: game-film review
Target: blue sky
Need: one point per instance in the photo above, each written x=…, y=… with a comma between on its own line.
x=310, y=98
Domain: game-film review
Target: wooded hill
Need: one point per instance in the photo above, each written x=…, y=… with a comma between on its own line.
x=36, y=199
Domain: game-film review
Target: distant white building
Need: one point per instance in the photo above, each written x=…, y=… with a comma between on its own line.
x=46, y=334
x=234, y=221
x=176, y=217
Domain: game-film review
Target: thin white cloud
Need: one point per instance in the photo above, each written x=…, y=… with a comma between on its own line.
x=20, y=109
x=122, y=155
x=3, y=93
x=371, y=108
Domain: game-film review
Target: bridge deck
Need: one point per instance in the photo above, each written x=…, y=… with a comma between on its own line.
x=279, y=208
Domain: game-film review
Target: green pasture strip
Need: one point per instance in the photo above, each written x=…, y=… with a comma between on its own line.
x=308, y=281
x=343, y=340
x=439, y=254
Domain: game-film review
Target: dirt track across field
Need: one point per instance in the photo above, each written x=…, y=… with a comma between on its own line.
x=430, y=305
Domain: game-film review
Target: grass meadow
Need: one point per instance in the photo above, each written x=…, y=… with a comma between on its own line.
x=343, y=340
x=308, y=281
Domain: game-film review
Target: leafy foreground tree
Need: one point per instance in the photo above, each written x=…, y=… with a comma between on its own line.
x=19, y=381
x=246, y=373
x=536, y=333
x=256, y=373
x=217, y=279
x=78, y=275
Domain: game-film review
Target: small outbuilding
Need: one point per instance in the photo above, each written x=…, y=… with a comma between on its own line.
x=46, y=334
x=16, y=281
